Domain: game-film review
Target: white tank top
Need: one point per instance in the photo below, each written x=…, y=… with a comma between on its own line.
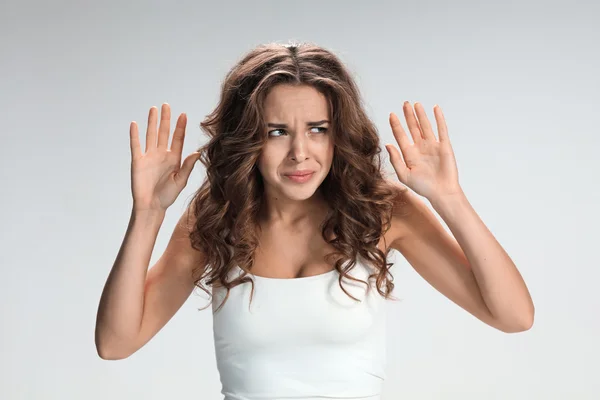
x=301, y=338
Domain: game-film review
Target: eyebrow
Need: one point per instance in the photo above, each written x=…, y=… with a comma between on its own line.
x=272, y=125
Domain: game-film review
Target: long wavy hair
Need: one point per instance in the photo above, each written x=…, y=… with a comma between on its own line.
x=226, y=205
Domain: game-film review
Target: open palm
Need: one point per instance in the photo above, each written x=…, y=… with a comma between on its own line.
x=158, y=176
x=427, y=165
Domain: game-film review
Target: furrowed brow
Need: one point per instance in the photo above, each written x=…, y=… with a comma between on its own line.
x=281, y=126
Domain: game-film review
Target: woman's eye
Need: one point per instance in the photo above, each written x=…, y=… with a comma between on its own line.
x=275, y=130
x=321, y=129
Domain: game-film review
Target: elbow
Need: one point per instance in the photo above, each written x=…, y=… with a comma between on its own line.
x=108, y=354
x=520, y=320
x=517, y=328
x=522, y=324
x=528, y=318
x=108, y=351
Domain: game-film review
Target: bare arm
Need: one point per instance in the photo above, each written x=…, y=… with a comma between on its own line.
x=474, y=273
x=137, y=303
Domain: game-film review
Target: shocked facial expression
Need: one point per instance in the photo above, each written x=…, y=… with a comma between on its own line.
x=298, y=152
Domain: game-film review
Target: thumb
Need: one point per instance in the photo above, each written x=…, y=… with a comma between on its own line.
x=186, y=167
x=398, y=164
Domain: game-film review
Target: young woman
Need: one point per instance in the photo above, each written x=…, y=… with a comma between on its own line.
x=291, y=230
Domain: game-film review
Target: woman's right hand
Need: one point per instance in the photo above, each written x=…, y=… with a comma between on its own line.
x=157, y=176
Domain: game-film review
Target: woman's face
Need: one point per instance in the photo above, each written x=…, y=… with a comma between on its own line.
x=299, y=137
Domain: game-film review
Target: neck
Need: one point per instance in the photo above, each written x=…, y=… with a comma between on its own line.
x=290, y=213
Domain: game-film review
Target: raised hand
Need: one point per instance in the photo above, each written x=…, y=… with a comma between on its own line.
x=427, y=165
x=157, y=176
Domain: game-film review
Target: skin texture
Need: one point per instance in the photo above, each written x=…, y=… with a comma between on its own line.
x=295, y=147
x=468, y=266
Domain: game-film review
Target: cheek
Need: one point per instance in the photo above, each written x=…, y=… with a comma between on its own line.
x=267, y=162
x=330, y=153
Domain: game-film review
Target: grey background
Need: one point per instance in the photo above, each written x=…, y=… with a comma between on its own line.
x=517, y=81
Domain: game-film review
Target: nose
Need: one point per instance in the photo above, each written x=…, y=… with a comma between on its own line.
x=298, y=149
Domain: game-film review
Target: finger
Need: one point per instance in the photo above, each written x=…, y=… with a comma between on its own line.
x=186, y=169
x=398, y=163
x=151, y=129
x=164, y=127
x=411, y=121
x=179, y=135
x=399, y=133
x=426, y=131
x=441, y=125
x=134, y=141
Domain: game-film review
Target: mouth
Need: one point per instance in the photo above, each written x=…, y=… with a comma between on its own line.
x=300, y=178
x=303, y=174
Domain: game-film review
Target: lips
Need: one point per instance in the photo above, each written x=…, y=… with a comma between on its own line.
x=300, y=173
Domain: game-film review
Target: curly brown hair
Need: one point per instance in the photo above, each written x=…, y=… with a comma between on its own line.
x=226, y=206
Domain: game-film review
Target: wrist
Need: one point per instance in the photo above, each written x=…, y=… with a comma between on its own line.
x=148, y=213
x=448, y=199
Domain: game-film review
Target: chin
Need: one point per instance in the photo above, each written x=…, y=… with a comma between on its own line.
x=298, y=191
x=300, y=196
x=301, y=193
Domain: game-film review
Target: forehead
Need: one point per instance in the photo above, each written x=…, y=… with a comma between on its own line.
x=286, y=101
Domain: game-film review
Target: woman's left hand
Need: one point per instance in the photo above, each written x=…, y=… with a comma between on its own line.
x=427, y=165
